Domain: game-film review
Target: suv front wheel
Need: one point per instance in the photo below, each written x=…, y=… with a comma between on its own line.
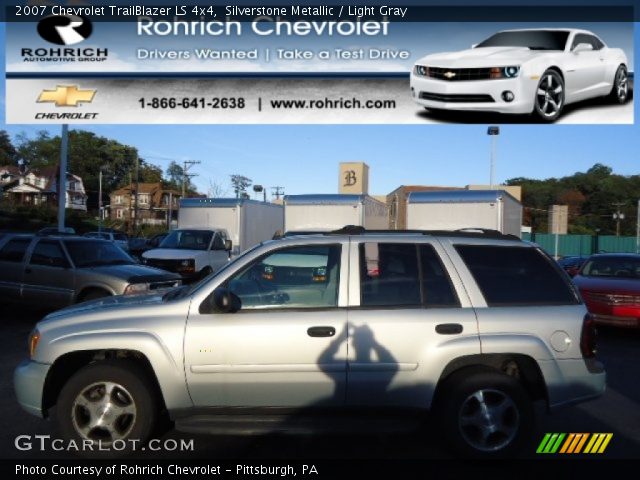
x=486, y=414
x=108, y=404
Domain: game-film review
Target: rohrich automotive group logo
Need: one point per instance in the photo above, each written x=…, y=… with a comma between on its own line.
x=65, y=30
x=573, y=443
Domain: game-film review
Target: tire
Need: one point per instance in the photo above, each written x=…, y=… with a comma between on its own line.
x=93, y=294
x=506, y=425
x=548, y=101
x=620, y=89
x=117, y=392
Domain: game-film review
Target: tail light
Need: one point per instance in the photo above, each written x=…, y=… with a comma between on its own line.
x=588, y=337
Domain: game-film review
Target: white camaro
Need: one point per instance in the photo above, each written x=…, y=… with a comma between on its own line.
x=535, y=71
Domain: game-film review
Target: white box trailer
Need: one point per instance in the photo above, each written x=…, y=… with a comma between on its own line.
x=247, y=222
x=455, y=209
x=315, y=213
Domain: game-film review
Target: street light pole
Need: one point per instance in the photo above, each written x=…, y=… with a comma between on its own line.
x=100, y=200
x=493, y=132
x=62, y=183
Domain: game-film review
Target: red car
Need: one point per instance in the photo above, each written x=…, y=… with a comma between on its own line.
x=610, y=286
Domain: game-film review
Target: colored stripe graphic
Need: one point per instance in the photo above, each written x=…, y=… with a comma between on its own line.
x=574, y=443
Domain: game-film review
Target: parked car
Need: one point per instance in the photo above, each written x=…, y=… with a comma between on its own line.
x=118, y=238
x=610, y=286
x=56, y=231
x=139, y=245
x=572, y=263
x=56, y=271
x=194, y=253
x=537, y=71
x=364, y=328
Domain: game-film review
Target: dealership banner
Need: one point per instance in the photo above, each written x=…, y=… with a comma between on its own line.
x=150, y=64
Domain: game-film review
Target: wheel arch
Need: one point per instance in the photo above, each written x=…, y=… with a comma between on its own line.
x=523, y=368
x=73, y=353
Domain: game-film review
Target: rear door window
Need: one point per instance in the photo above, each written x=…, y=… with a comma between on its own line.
x=403, y=275
x=510, y=276
x=14, y=250
x=49, y=253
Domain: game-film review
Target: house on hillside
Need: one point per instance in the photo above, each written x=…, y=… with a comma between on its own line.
x=39, y=186
x=156, y=204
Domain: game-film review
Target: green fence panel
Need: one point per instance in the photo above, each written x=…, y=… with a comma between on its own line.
x=582, y=244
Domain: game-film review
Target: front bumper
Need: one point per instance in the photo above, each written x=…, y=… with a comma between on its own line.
x=28, y=381
x=572, y=381
x=452, y=94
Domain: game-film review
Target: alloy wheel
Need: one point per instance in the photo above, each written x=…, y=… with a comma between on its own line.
x=622, y=85
x=105, y=412
x=550, y=96
x=489, y=420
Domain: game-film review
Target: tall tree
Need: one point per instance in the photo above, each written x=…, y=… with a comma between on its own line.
x=8, y=153
x=240, y=183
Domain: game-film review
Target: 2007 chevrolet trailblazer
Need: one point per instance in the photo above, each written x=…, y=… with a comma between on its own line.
x=323, y=331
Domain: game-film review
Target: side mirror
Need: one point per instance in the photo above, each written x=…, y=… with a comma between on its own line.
x=582, y=47
x=225, y=301
x=228, y=245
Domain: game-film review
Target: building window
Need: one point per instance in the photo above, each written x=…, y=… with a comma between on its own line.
x=143, y=198
x=119, y=213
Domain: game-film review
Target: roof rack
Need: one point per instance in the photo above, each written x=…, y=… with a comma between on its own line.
x=461, y=232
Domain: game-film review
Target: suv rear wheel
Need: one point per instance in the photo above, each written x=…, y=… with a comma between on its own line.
x=108, y=403
x=486, y=414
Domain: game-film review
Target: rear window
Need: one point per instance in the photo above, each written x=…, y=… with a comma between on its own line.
x=509, y=276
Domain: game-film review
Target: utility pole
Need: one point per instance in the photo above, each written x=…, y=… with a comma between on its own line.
x=135, y=200
x=100, y=200
x=618, y=216
x=493, y=132
x=277, y=192
x=62, y=183
x=186, y=165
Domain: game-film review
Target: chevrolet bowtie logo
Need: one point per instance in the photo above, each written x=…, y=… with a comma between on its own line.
x=450, y=74
x=66, y=96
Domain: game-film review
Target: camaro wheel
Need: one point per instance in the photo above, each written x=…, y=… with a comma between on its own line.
x=109, y=404
x=486, y=414
x=549, y=96
x=620, y=90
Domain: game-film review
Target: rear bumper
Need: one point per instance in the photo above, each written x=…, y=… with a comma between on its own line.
x=617, y=321
x=28, y=381
x=573, y=381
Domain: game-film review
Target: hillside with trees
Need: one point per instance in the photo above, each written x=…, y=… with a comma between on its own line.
x=592, y=196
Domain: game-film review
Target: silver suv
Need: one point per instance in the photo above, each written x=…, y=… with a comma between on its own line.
x=298, y=331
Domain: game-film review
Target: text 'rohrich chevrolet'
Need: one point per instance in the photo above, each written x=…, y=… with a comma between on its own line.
x=535, y=71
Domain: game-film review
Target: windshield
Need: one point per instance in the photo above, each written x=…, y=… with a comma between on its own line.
x=188, y=239
x=96, y=253
x=532, y=39
x=623, y=267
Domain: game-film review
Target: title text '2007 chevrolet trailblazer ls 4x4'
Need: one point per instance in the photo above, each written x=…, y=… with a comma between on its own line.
x=344, y=326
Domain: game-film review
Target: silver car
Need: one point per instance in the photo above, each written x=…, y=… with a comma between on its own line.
x=56, y=271
x=298, y=331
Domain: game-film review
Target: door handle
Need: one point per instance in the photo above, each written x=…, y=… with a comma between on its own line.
x=449, y=328
x=321, y=331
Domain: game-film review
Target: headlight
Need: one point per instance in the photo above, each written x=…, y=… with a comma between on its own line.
x=34, y=339
x=510, y=71
x=136, y=288
x=421, y=70
x=186, y=266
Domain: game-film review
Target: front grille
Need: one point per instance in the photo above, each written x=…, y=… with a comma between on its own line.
x=457, y=98
x=168, y=265
x=621, y=300
x=458, y=74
